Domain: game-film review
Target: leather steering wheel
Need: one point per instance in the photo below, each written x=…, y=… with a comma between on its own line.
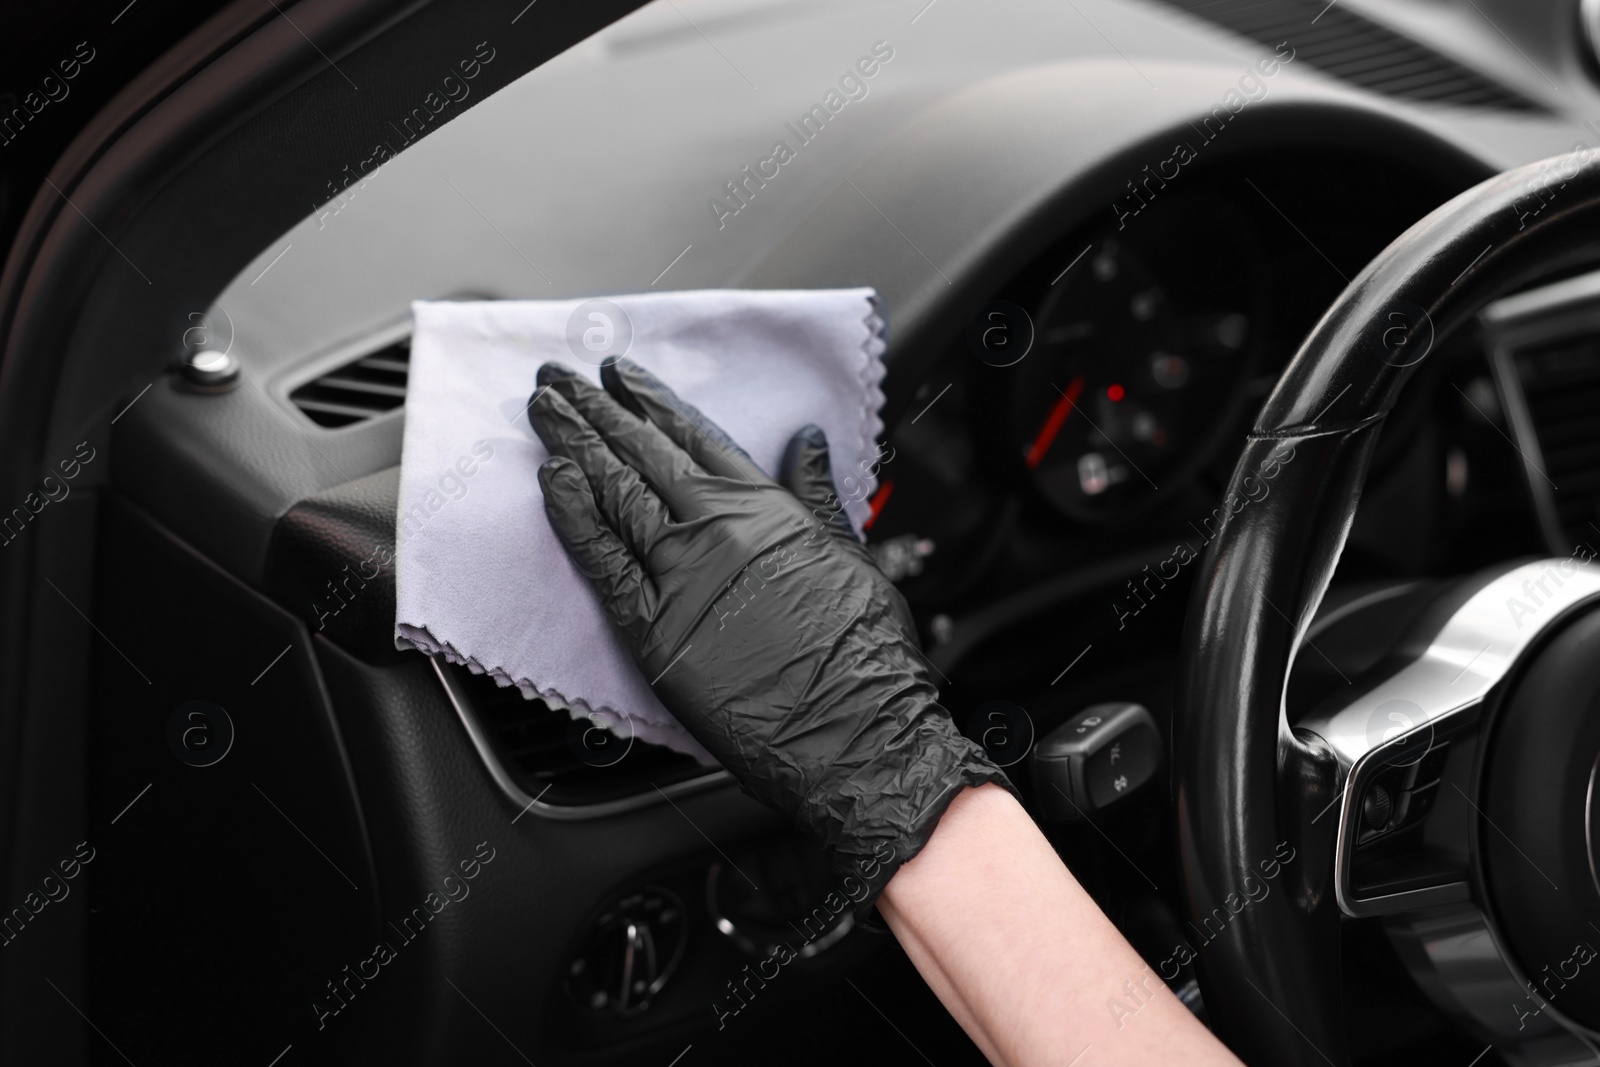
x=1245, y=781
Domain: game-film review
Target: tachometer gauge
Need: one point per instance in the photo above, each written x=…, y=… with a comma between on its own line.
x=1124, y=386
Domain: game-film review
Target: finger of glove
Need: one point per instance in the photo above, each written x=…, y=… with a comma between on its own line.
x=664, y=467
x=650, y=398
x=625, y=590
x=806, y=471
x=630, y=507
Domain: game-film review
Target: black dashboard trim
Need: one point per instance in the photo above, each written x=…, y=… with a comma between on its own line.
x=526, y=804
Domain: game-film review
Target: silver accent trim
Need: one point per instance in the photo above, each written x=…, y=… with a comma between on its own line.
x=1457, y=959
x=1472, y=652
x=1588, y=822
x=558, y=812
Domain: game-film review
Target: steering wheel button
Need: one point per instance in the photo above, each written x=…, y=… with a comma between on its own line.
x=1377, y=809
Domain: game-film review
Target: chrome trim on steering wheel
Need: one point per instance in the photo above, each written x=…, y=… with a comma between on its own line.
x=1471, y=653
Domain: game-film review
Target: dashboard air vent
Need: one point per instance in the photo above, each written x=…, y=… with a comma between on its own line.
x=1561, y=387
x=533, y=745
x=360, y=390
x=1350, y=47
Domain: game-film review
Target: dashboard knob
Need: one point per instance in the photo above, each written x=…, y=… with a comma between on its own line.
x=629, y=954
x=211, y=371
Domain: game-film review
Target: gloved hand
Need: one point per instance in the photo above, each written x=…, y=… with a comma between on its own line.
x=762, y=622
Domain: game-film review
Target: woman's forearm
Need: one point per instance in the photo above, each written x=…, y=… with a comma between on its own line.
x=987, y=908
x=927, y=965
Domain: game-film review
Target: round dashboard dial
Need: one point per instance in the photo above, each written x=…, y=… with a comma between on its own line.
x=1125, y=386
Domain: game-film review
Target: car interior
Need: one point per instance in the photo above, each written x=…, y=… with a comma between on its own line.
x=1242, y=383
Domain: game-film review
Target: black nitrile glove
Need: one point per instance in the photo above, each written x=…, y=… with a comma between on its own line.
x=762, y=622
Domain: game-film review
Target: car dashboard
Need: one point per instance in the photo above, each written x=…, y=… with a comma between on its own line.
x=1091, y=287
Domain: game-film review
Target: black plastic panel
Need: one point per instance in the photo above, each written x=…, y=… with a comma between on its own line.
x=222, y=897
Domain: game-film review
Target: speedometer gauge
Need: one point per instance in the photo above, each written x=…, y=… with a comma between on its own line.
x=1126, y=384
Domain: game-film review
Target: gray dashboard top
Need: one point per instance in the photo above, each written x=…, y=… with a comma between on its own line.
x=595, y=174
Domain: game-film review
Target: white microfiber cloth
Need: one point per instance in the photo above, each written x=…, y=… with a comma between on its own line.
x=481, y=577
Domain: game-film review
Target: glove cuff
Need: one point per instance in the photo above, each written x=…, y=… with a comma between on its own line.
x=882, y=815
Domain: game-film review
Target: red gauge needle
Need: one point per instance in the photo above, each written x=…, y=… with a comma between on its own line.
x=1052, y=425
x=879, y=499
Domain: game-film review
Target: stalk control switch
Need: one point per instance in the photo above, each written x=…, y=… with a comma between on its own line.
x=1095, y=760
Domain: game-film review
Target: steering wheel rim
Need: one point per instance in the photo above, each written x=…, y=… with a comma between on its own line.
x=1244, y=783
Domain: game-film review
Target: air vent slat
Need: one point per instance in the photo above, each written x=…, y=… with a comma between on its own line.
x=1357, y=50
x=325, y=407
x=379, y=363
x=358, y=391
x=355, y=385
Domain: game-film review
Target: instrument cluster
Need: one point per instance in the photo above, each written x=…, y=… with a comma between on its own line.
x=1098, y=399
